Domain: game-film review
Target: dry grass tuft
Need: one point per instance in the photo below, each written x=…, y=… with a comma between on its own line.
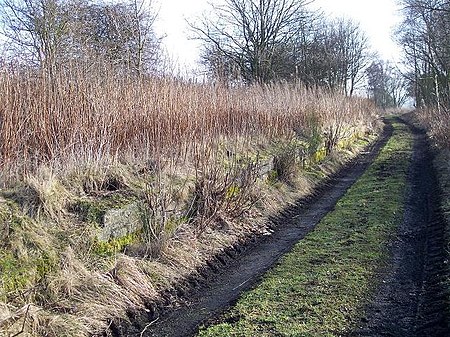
x=42, y=192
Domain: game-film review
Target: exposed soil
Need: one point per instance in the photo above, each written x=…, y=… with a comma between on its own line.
x=411, y=299
x=237, y=270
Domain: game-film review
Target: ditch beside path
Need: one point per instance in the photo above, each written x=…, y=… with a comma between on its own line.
x=224, y=287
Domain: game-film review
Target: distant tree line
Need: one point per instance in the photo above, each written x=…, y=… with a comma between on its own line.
x=425, y=37
x=386, y=85
x=244, y=41
x=52, y=34
x=270, y=40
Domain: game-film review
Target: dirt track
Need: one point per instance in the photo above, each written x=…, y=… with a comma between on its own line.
x=412, y=300
x=409, y=302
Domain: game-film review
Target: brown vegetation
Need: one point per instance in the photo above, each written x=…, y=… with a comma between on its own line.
x=96, y=117
x=188, y=157
x=437, y=123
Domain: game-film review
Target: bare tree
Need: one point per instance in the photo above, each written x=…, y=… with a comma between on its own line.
x=35, y=30
x=119, y=33
x=386, y=85
x=147, y=51
x=251, y=35
x=332, y=54
x=354, y=54
x=219, y=67
x=425, y=37
x=267, y=40
x=51, y=33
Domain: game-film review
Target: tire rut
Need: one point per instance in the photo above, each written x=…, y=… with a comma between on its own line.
x=411, y=299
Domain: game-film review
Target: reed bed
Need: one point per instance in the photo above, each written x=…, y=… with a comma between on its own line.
x=83, y=117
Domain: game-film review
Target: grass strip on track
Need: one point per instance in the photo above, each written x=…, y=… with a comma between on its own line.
x=321, y=286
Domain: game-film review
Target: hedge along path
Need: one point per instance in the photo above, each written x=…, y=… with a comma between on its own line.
x=322, y=285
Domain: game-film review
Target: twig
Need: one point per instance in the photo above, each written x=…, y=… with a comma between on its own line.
x=241, y=284
x=24, y=321
x=147, y=326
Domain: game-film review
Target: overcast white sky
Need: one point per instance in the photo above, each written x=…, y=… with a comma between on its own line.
x=377, y=18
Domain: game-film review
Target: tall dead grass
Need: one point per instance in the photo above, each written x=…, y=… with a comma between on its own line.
x=437, y=123
x=79, y=117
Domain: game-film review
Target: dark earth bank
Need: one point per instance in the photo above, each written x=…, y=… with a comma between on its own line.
x=217, y=286
x=412, y=299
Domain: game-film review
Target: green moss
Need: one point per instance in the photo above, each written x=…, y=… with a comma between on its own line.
x=319, y=155
x=25, y=256
x=232, y=192
x=94, y=210
x=356, y=139
x=17, y=273
x=114, y=246
x=320, y=287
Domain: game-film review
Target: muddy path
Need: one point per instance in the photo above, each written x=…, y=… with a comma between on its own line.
x=411, y=299
x=240, y=269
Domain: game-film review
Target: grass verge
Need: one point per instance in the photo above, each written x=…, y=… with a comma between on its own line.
x=320, y=287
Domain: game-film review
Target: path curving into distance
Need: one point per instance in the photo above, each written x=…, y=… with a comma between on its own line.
x=223, y=287
x=411, y=298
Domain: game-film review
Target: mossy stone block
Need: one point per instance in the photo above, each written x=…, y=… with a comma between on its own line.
x=120, y=222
